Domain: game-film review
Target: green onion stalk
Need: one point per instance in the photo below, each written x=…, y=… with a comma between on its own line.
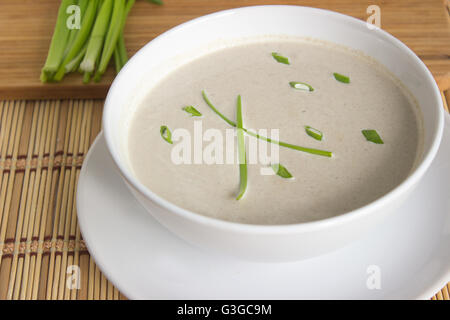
x=58, y=44
x=97, y=38
x=111, y=37
x=280, y=143
x=78, y=46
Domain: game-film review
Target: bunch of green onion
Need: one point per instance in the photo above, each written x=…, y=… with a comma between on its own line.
x=89, y=48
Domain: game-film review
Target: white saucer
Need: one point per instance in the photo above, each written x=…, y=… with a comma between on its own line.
x=145, y=261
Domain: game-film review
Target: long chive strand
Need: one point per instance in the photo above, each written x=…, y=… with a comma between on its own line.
x=281, y=143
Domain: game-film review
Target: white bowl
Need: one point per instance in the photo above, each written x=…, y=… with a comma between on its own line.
x=258, y=242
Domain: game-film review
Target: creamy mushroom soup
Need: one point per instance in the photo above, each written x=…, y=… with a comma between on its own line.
x=362, y=132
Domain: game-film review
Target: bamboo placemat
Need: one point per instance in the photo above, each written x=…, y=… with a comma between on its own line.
x=42, y=148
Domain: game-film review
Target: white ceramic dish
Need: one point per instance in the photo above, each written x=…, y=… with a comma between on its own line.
x=274, y=243
x=145, y=261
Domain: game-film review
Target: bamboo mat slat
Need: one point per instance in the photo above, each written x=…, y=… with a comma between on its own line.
x=42, y=148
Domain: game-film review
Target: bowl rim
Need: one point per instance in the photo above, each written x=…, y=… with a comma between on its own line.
x=357, y=213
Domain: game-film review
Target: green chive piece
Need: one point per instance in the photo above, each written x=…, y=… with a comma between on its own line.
x=281, y=143
x=75, y=63
x=166, y=134
x=316, y=152
x=314, y=133
x=301, y=86
x=372, y=136
x=208, y=102
x=117, y=62
x=87, y=77
x=281, y=171
x=194, y=112
x=82, y=4
x=241, y=151
x=97, y=37
x=58, y=44
x=280, y=58
x=115, y=28
x=158, y=2
x=120, y=51
x=341, y=78
x=79, y=43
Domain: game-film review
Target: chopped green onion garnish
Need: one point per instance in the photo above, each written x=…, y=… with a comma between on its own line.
x=158, y=2
x=316, y=134
x=283, y=144
x=301, y=86
x=280, y=58
x=341, y=78
x=241, y=151
x=281, y=171
x=194, y=112
x=166, y=134
x=372, y=136
x=231, y=123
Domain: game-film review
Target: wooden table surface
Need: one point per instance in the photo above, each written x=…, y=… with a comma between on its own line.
x=43, y=142
x=26, y=28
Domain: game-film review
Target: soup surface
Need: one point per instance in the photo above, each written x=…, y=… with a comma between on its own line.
x=360, y=171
